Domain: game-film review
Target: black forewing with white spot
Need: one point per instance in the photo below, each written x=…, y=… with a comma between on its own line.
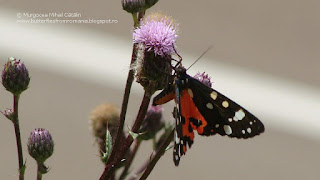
x=223, y=115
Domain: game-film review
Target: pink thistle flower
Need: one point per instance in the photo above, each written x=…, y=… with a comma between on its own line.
x=204, y=78
x=158, y=34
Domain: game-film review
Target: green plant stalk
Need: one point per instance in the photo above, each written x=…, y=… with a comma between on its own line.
x=113, y=164
x=135, y=20
x=127, y=91
x=158, y=155
x=154, y=143
x=124, y=107
x=141, y=15
x=18, y=136
x=39, y=173
x=129, y=161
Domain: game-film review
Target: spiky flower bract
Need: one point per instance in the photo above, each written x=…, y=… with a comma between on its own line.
x=156, y=38
x=204, y=78
x=15, y=76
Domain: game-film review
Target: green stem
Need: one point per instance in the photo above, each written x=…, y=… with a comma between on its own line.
x=127, y=90
x=158, y=155
x=114, y=163
x=154, y=143
x=141, y=14
x=18, y=136
x=116, y=153
x=126, y=95
x=135, y=20
x=129, y=161
x=39, y=173
x=124, y=107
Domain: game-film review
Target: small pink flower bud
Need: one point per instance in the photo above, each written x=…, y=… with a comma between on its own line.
x=40, y=145
x=15, y=76
x=152, y=122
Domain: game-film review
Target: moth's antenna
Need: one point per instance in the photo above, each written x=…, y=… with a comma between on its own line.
x=200, y=57
x=180, y=58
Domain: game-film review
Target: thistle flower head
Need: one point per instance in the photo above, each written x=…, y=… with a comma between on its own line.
x=158, y=33
x=102, y=116
x=155, y=40
x=15, y=76
x=40, y=145
x=204, y=78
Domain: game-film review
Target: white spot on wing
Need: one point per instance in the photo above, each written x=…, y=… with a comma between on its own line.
x=214, y=95
x=225, y=104
x=190, y=93
x=217, y=125
x=227, y=129
x=243, y=131
x=249, y=130
x=209, y=106
x=239, y=115
x=230, y=120
x=250, y=122
x=176, y=138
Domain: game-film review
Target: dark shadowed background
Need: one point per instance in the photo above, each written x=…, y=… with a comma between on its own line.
x=265, y=56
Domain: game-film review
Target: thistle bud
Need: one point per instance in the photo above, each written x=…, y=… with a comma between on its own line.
x=133, y=6
x=156, y=39
x=15, y=76
x=204, y=78
x=152, y=122
x=40, y=145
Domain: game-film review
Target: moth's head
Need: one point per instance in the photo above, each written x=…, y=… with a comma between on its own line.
x=180, y=71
